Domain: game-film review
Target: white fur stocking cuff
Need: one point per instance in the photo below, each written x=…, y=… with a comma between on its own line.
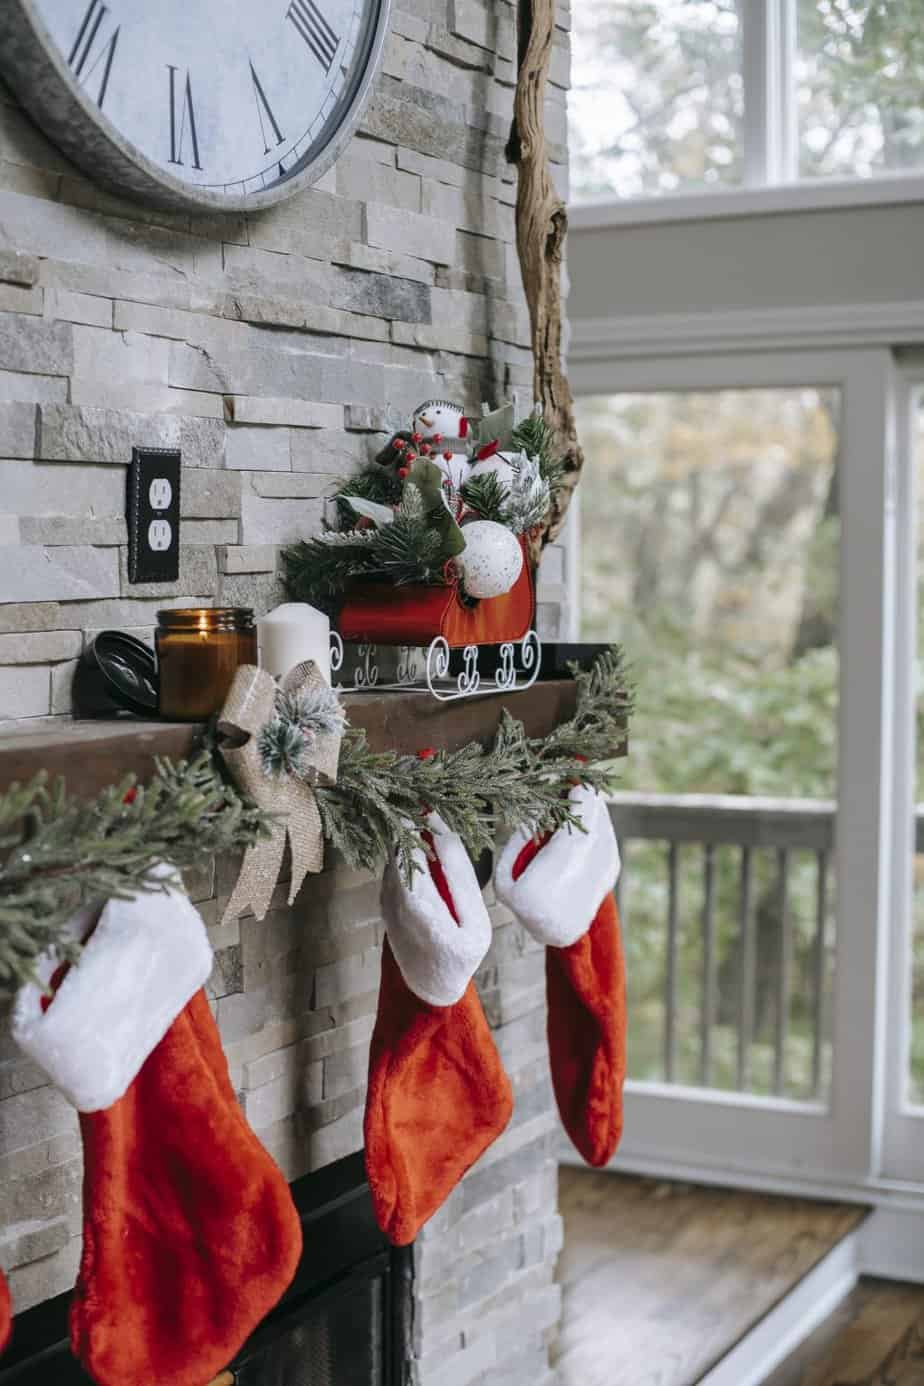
x=144, y=961
x=437, y=956
x=560, y=891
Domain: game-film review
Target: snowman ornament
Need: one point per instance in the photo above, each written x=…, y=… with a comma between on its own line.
x=440, y=431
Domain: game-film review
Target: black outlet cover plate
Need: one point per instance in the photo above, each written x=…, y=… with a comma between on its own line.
x=153, y=513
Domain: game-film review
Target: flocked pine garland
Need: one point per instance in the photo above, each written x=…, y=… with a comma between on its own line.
x=58, y=853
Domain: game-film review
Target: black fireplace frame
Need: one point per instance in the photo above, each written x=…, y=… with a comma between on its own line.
x=342, y=1247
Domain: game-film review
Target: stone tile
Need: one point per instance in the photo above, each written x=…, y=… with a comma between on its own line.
x=68, y=433
x=198, y=575
x=281, y=521
x=201, y=532
x=209, y=495
x=354, y=976
x=16, y=267
x=55, y=530
x=28, y=1118
x=68, y=306
x=394, y=229
x=14, y=299
x=248, y=558
x=345, y=1070
x=24, y=692
x=337, y=1139
x=18, y=426
x=14, y=385
x=258, y=449
x=41, y=1280
x=62, y=573
x=297, y=413
x=40, y=647
x=33, y=1240
x=34, y=346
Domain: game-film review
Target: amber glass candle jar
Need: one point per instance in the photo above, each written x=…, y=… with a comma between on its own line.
x=198, y=650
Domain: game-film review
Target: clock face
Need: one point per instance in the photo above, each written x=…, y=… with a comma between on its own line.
x=229, y=103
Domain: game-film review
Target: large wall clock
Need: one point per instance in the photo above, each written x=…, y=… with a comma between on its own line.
x=222, y=104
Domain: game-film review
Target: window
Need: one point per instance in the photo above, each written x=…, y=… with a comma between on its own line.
x=723, y=585
x=698, y=95
x=859, y=76
x=657, y=99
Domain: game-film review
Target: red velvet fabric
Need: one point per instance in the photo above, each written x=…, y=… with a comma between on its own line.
x=438, y=1095
x=6, y=1314
x=190, y=1233
x=415, y=615
x=586, y=1028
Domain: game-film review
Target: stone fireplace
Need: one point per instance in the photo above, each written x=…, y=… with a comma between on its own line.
x=277, y=352
x=295, y=999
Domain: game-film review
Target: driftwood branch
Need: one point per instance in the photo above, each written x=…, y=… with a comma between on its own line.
x=541, y=226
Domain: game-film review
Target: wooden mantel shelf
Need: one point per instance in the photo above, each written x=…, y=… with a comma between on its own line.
x=92, y=754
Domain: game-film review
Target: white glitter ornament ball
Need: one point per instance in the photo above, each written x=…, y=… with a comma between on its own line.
x=497, y=464
x=491, y=561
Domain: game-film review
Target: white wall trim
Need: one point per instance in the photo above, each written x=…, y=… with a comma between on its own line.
x=790, y=1322
x=807, y=195
x=759, y=329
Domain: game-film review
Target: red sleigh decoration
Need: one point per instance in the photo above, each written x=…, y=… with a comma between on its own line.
x=416, y=615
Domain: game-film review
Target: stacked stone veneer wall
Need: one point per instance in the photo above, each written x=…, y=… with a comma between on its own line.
x=276, y=351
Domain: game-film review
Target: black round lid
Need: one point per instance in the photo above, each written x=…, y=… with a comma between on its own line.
x=117, y=673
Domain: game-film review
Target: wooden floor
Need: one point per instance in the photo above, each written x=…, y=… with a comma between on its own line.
x=661, y=1280
x=875, y=1338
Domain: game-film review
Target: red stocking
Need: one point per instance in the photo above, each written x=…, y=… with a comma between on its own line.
x=6, y=1314
x=560, y=888
x=438, y=1095
x=190, y=1234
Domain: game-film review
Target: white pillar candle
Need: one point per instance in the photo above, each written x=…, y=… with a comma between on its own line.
x=292, y=633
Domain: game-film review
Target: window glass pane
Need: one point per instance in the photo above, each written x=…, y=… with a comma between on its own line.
x=656, y=99
x=916, y=1075
x=709, y=536
x=860, y=74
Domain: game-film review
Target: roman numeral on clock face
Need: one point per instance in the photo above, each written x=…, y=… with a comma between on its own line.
x=92, y=53
x=182, y=119
x=315, y=30
x=264, y=110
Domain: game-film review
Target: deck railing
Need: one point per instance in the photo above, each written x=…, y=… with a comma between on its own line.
x=737, y=858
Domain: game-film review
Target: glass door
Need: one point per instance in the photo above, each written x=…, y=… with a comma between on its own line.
x=736, y=536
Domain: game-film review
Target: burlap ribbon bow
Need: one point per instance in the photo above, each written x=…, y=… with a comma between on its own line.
x=248, y=707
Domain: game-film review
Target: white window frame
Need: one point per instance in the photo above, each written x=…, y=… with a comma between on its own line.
x=903, y=1133
x=770, y=153
x=691, y=1132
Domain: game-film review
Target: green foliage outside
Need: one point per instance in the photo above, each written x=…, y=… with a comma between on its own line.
x=709, y=549
x=657, y=98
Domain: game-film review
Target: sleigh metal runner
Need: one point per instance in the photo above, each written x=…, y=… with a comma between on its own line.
x=446, y=673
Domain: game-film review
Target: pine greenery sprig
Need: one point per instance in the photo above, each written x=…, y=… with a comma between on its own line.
x=281, y=746
x=375, y=483
x=486, y=495
x=299, y=718
x=415, y=547
x=517, y=506
x=59, y=853
x=528, y=497
x=380, y=802
x=534, y=437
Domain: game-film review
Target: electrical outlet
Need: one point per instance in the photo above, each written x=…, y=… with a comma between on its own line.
x=153, y=510
x=160, y=534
